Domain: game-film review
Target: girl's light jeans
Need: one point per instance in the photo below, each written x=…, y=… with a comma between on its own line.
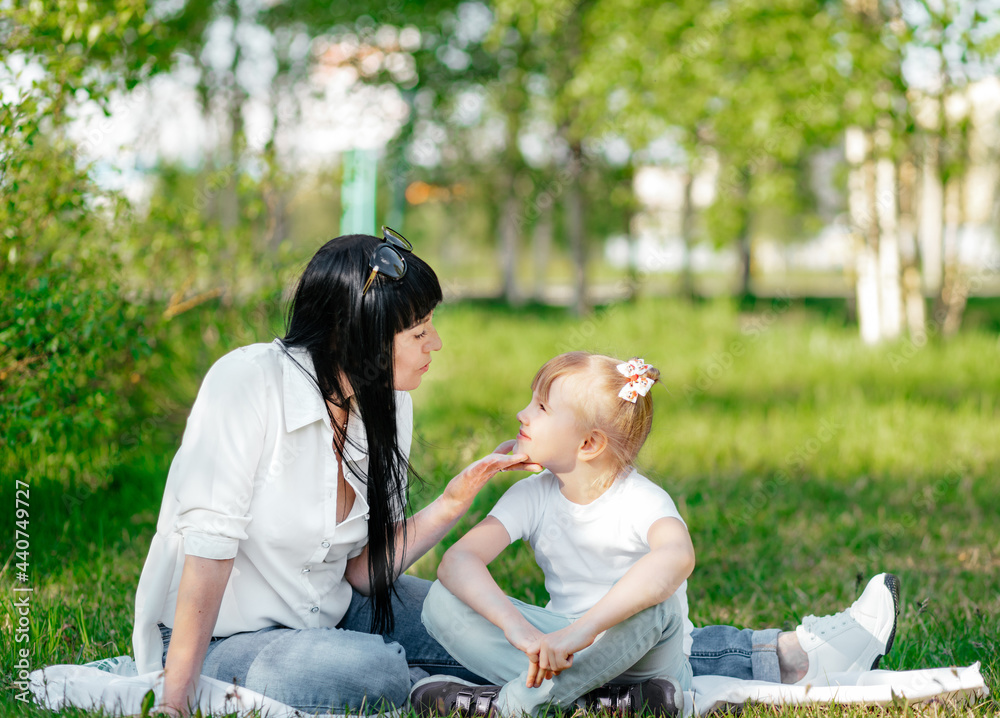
x=650, y=644
x=347, y=667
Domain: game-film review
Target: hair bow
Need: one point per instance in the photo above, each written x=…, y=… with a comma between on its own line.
x=638, y=384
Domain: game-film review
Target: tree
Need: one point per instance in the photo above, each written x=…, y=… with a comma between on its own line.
x=962, y=40
x=70, y=344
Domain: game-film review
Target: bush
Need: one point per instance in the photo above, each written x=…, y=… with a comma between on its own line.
x=69, y=342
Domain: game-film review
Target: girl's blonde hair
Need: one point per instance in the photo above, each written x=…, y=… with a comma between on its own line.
x=597, y=405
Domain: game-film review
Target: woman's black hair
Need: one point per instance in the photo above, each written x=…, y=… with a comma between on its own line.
x=350, y=335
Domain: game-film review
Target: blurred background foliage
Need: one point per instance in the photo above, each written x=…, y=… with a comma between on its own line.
x=523, y=127
x=146, y=230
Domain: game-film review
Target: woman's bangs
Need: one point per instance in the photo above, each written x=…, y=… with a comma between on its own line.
x=416, y=294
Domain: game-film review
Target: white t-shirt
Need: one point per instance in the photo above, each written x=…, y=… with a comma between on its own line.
x=585, y=549
x=255, y=479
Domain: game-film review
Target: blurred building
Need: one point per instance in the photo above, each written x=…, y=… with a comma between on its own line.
x=658, y=242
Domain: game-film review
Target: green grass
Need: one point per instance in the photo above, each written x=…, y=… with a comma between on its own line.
x=803, y=462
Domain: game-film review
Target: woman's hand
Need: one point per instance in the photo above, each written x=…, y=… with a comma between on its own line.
x=463, y=488
x=199, y=597
x=429, y=525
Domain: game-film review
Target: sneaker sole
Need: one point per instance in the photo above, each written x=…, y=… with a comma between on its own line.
x=442, y=678
x=438, y=678
x=892, y=583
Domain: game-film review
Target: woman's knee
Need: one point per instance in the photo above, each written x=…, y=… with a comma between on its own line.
x=322, y=669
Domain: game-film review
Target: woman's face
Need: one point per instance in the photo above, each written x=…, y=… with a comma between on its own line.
x=412, y=353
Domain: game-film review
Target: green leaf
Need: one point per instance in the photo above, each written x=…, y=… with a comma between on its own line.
x=148, y=701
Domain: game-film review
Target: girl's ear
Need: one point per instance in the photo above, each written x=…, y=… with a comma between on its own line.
x=593, y=445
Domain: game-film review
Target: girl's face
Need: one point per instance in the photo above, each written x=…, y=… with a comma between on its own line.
x=549, y=433
x=412, y=353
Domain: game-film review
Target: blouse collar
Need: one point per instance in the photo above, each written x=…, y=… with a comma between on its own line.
x=303, y=401
x=304, y=404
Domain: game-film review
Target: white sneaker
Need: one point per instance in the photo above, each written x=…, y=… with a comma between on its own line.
x=854, y=639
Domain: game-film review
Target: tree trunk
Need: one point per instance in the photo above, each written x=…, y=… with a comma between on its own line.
x=746, y=257
x=275, y=197
x=511, y=218
x=576, y=229
x=913, y=298
x=887, y=212
x=955, y=290
x=861, y=192
x=510, y=245
x=741, y=194
x=542, y=240
x=230, y=207
x=688, y=290
x=931, y=220
x=229, y=203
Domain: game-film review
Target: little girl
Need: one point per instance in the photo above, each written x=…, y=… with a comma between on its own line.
x=615, y=552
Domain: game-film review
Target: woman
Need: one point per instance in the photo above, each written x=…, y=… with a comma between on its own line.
x=286, y=497
x=284, y=507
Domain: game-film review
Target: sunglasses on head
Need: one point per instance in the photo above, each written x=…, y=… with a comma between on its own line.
x=387, y=258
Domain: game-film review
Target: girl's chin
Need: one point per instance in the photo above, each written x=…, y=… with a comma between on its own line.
x=520, y=448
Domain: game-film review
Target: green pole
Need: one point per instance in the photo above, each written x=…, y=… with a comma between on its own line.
x=357, y=193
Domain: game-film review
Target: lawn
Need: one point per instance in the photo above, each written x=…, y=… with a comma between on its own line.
x=803, y=462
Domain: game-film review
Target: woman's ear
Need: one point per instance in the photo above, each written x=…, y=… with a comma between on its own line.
x=593, y=445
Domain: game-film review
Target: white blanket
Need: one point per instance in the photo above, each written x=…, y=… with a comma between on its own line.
x=114, y=686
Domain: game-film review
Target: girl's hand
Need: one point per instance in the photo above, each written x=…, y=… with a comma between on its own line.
x=525, y=637
x=464, y=487
x=555, y=652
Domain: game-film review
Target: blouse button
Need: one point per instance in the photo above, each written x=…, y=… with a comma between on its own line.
x=325, y=544
x=306, y=570
x=314, y=609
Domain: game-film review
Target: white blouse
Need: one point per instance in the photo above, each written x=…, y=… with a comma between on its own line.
x=255, y=479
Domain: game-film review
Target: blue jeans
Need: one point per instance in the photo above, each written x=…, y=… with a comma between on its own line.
x=342, y=669
x=738, y=653
x=347, y=667
x=649, y=644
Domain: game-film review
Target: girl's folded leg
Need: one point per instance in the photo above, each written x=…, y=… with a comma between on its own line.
x=423, y=654
x=475, y=642
x=613, y=655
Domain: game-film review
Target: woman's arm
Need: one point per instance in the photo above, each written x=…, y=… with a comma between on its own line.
x=653, y=579
x=199, y=597
x=427, y=527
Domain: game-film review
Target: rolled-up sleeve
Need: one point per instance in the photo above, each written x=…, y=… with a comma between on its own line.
x=215, y=466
